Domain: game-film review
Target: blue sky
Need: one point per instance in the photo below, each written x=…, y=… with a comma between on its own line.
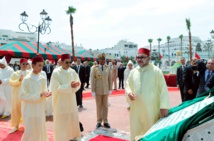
x=102, y=23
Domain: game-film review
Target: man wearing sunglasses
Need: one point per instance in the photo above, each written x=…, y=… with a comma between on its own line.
x=147, y=94
x=16, y=82
x=101, y=87
x=64, y=83
x=5, y=88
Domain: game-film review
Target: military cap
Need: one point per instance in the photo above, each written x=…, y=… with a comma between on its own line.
x=101, y=56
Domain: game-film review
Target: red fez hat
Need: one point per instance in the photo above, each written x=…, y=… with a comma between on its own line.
x=37, y=59
x=65, y=56
x=144, y=51
x=23, y=60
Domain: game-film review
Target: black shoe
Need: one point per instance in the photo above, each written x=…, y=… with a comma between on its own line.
x=81, y=106
x=86, y=87
x=107, y=125
x=98, y=125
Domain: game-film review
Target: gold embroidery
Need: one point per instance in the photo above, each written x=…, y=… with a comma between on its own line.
x=96, y=73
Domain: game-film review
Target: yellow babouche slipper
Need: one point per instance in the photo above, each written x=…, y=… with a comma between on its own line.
x=4, y=116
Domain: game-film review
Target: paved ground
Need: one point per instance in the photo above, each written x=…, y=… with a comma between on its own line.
x=118, y=113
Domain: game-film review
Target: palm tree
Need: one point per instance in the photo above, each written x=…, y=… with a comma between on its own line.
x=181, y=37
x=159, y=40
x=150, y=42
x=71, y=10
x=168, y=38
x=188, y=24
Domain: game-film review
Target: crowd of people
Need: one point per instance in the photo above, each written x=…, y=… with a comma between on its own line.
x=195, y=79
x=40, y=89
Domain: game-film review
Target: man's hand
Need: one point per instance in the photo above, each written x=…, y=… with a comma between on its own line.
x=93, y=94
x=164, y=112
x=190, y=91
x=21, y=77
x=48, y=94
x=178, y=87
x=45, y=94
x=74, y=84
x=131, y=96
x=109, y=92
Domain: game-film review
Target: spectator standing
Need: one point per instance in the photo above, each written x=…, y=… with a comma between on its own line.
x=34, y=92
x=191, y=80
x=87, y=73
x=64, y=83
x=114, y=71
x=101, y=87
x=127, y=71
x=179, y=77
x=5, y=94
x=80, y=69
x=121, y=70
x=16, y=82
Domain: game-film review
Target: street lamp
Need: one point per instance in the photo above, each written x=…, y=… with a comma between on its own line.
x=41, y=28
x=212, y=34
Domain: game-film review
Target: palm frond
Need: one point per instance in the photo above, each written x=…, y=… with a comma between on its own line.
x=168, y=38
x=150, y=40
x=159, y=39
x=181, y=36
x=188, y=24
x=71, y=10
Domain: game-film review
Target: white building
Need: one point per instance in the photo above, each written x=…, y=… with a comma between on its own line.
x=7, y=36
x=175, y=44
x=122, y=48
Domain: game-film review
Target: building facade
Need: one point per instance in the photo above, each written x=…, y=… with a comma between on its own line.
x=7, y=36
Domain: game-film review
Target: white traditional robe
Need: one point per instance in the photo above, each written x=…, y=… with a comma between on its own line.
x=65, y=112
x=149, y=86
x=16, y=101
x=33, y=113
x=6, y=91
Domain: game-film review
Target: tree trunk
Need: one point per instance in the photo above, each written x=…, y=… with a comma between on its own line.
x=72, y=35
x=190, y=46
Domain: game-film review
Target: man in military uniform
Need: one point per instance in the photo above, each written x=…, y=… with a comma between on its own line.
x=114, y=74
x=101, y=87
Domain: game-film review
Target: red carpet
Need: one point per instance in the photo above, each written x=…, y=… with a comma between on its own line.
x=87, y=95
x=4, y=136
x=114, y=92
x=106, y=138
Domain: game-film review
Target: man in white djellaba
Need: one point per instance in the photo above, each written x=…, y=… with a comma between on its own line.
x=127, y=71
x=5, y=89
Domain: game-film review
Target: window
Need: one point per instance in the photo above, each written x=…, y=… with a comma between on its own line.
x=4, y=35
x=126, y=45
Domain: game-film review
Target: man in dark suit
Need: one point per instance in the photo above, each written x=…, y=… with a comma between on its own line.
x=48, y=68
x=179, y=77
x=191, y=80
x=87, y=73
x=80, y=69
x=210, y=76
x=121, y=70
x=206, y=71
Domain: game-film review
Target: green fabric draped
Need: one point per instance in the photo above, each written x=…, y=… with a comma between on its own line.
x=177, y=131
